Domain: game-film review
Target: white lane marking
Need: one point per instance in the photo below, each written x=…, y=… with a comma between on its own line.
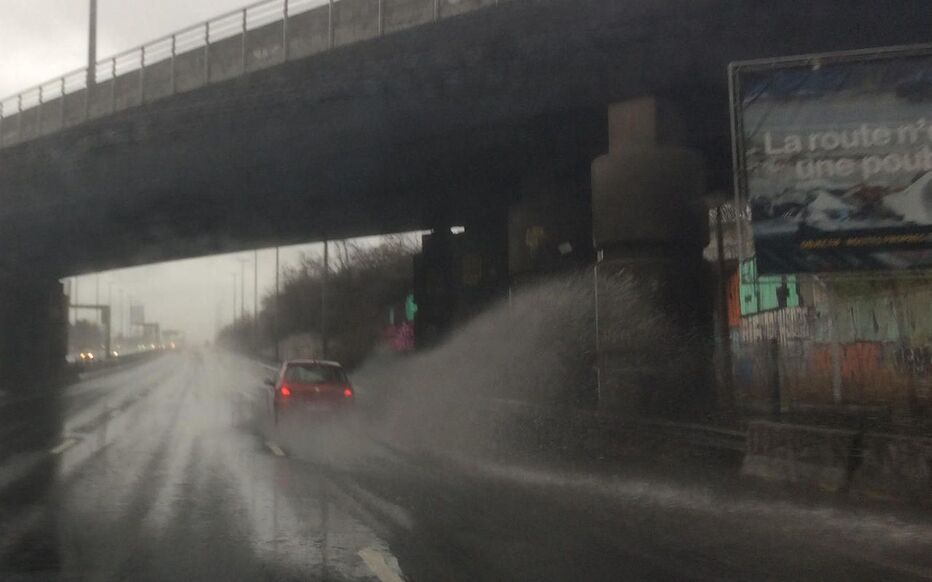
x=376, y=504
x=276, y=450
x=64, y=446
x=384, y=566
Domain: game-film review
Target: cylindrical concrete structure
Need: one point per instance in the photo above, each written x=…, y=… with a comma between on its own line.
x=649, y=231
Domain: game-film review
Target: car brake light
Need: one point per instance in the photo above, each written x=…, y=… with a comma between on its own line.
x=286, y=391
x=347, y=392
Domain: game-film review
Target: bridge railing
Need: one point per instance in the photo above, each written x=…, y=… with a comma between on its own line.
x=253, y=37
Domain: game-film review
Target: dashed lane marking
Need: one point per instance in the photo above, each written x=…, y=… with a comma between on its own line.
x=276, y=450
x=64, y=446
x=380, y=565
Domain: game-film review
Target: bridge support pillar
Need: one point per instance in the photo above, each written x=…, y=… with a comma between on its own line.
x=33, y=331
x=549, y=230
x=649, y=229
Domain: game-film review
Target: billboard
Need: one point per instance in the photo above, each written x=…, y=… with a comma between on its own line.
x=833, y=153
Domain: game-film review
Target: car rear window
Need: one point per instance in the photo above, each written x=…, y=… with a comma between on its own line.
x=314, y=374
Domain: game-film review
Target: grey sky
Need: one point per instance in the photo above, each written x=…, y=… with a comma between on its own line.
x=42, y=39
x=192, y=295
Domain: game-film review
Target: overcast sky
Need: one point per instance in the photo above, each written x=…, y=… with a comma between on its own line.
x=41, y=39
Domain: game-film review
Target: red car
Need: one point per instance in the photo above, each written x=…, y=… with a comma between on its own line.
x=310, y=385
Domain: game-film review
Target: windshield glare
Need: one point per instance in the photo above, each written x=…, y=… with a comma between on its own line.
x=465, y=290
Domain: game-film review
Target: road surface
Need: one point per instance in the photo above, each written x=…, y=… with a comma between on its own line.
x=169, y=470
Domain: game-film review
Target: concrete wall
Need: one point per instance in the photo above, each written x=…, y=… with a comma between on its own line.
x=355, y=20
x=308, y=32
x=868, y=463
x=226, y=58
x=29, y=121
x=849, y=346
x=127, y=90
x=9, y=131
x=799, y=454
x=102, y=99
x=75, y=107
x=454, y=7
x=33, y=319
x=264, y=46
x=158, y=80
x=51, y=116
x=402, y=14
x=190, y=70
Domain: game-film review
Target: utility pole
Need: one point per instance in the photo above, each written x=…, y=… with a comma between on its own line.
x=275, y=320
x=234, y=297
x=92, y=47
x=75, y=299
x=323, y=301
x=110, y=312
x=242, y=286
x=122, y=326
x=255, y=300
x=97, y=295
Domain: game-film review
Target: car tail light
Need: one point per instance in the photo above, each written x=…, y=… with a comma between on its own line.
x=347, y=392
x=286, y=391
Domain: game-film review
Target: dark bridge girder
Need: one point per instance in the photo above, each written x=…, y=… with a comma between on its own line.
x=394, y=133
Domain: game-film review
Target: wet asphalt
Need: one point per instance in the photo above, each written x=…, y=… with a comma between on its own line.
x=171, y=470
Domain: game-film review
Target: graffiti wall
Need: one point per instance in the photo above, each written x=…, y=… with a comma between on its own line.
x=853, y=345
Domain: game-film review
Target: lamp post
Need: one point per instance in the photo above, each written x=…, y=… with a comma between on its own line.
x=255, y=301
x=242, y=286
x=324, y=339
x=275, y=320
x=234, y=297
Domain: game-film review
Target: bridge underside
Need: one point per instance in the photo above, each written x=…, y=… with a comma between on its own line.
x=454, y=122
x=421, y=127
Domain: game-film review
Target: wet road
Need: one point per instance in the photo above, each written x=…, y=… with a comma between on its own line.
x=169, y=470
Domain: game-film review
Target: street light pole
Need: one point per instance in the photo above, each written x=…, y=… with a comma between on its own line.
x=234, y=297
x=275, y=320
x=122, y=319
x=255, y=300
x=92, y=46
x=242, y=286
x=110, y=314
x=75, y=300
x=323, y=301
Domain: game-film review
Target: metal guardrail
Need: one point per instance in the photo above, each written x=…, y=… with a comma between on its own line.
x=57, y=104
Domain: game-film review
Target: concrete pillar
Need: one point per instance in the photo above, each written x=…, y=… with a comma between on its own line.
x=550, y=244
x=33, y=331
x=549, y=230
x=433, y=287
x=458, y=276
x=649, y=229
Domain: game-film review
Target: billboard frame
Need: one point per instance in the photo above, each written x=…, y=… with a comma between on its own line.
x=814, y=60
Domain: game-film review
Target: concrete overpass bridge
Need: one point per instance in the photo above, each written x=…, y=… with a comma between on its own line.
x=371, y=116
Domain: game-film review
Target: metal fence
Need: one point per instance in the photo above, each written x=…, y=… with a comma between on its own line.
x=232, y=44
